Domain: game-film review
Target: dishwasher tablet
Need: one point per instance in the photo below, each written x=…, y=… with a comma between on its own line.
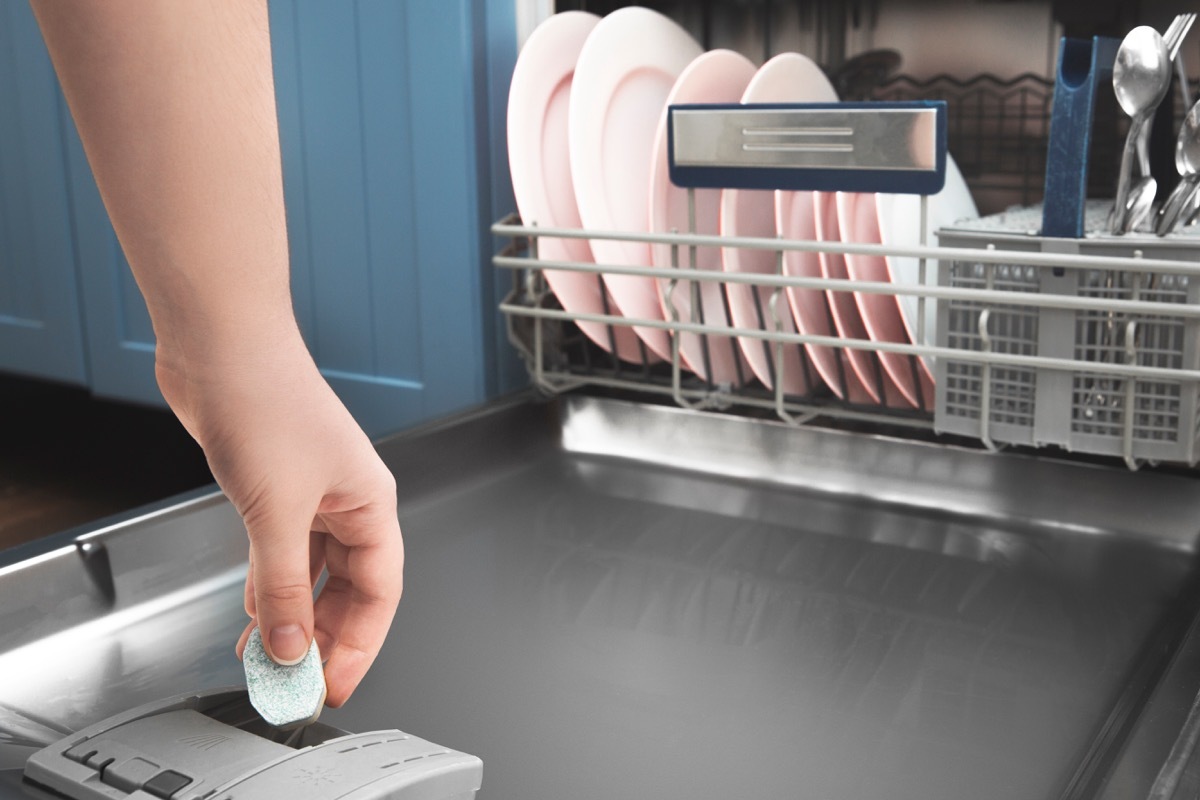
x=285, y=696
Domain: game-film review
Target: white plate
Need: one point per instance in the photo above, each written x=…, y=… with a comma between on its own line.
x=864, y=363
x=786, y=78
x=900, y=226
x=541, y=168
x=859, y=222
x=625, y=72
x=718, y=76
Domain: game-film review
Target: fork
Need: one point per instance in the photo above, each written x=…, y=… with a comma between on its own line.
x=1181, y=196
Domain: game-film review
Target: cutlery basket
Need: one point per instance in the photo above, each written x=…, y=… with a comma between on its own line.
x=1060, y=402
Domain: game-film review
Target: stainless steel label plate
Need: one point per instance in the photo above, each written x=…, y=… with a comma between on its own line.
x=890, y=147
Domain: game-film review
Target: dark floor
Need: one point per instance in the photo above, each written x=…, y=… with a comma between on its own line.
x=67, y=458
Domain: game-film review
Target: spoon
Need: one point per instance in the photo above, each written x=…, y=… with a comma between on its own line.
x=1178, y=205
x=1190, y=214
x=1141, y=78
x=1187, y=163
x=1139, y=204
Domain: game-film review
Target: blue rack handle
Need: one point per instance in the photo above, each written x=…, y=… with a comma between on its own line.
x=1085, y=68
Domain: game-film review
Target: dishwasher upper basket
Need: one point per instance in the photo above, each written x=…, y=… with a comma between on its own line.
x=1088, y=345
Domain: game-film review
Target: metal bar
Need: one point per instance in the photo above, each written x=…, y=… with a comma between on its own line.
x=1129, y=411
x=919, y=333
x=1007, y=359
x=781, y=405
x=985, y=385
x=908, y=418
x=766, y=280
x=676, y=341
x=981, y=255
x=697, y=301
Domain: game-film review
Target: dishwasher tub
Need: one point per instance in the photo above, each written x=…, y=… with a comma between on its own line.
x=608, y=599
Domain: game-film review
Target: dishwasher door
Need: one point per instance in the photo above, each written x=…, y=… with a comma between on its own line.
x=611, y=600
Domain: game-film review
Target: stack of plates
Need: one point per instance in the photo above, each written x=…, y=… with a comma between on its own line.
x=588, y=149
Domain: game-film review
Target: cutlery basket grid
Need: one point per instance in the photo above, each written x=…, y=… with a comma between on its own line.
x=1079, y=410
x=1013, y=330
x=1065, y=346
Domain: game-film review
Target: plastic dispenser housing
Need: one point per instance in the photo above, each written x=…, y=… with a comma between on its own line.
x=215, y=746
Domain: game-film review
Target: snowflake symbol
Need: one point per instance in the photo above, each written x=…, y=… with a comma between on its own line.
x=317, y=776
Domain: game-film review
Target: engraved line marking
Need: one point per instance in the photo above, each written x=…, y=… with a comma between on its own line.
x=812, y=131
x=783, y=147
x=206, y=742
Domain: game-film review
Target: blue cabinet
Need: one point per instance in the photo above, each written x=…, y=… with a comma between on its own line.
x=391, y=124
x=40, y=331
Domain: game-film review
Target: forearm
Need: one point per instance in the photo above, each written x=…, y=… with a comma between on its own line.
x=175, y=105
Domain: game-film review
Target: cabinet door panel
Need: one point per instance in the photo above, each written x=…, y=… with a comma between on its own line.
x=386, y=173
x=39, y=305
x=387, y=144
x=120, y=339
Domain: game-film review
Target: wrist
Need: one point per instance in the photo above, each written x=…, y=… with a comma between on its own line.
x=198, y=365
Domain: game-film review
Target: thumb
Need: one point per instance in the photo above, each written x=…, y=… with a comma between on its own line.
x=283, y=598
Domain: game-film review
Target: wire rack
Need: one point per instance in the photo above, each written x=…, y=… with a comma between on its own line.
x=998, y=129
x=1117, y=326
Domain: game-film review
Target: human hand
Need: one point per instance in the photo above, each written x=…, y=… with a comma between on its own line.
x=197, y=202
x=314, y=496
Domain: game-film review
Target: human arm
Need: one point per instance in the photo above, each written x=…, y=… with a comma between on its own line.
x=175, y=106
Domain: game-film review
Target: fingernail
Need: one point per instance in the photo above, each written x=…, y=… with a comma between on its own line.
x=288, y=645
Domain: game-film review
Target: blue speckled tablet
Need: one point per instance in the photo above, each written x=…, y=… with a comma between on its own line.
x=286, y=697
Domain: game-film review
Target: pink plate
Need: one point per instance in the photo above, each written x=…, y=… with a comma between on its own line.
x=859, y=222
x=541, y=168
x=795, y=218
x=718, y=76
x=625, y=72
x=787, y=78
x=845, y=312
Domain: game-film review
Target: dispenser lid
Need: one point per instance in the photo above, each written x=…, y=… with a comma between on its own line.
x=214, y=745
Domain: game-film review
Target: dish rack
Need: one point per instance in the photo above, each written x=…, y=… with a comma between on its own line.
x=1057, y=346
x=1089, y=345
